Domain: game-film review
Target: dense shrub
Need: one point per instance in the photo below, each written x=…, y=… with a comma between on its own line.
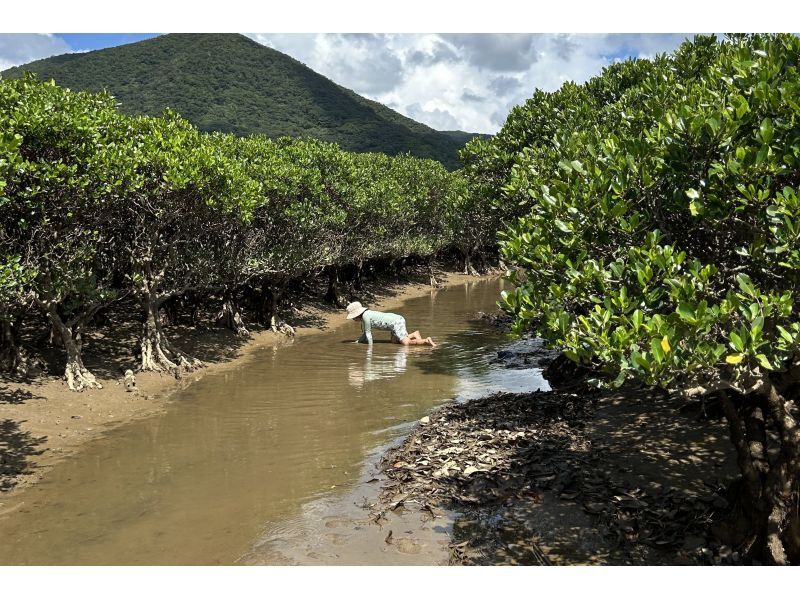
x=653, y=226
x=95, y=205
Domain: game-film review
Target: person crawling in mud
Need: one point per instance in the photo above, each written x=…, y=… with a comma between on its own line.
x=395, y=323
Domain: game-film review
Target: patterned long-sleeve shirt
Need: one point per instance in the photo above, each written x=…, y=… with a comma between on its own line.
x=382, y=321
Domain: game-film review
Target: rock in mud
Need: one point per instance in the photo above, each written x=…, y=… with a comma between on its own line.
x=524, y=354
x=407, y=546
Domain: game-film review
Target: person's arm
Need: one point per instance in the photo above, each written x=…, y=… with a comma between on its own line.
x=366, y=337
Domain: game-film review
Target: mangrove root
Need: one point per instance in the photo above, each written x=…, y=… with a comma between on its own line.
x=231, y=318
x=78, y=377
x=158, y=354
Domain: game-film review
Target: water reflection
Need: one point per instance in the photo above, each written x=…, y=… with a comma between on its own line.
x=378, y=367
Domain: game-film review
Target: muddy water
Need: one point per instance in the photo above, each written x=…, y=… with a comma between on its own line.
x=243, y=450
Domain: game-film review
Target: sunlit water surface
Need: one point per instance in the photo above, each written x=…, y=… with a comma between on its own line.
x=240, y=451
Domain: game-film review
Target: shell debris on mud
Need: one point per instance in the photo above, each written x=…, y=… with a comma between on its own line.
x=537, y=479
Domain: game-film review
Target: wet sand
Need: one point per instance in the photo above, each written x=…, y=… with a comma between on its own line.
x=569, y=478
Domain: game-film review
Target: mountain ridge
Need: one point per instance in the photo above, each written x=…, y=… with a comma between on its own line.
x=228, y=82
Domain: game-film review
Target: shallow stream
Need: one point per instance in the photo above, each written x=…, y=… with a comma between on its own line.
x=242, y=450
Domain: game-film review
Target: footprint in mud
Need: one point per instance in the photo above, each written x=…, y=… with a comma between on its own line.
x=336, y=539
x=338, y=522
x=407, y=546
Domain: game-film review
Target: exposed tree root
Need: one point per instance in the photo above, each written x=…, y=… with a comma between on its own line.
x=231, y=317
x=333, y=295
x=468, y=267
x=270, y=299
x=157, y=353
x=278, y=326
x=78, y=377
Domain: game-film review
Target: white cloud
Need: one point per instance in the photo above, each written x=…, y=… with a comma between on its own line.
x=438, y=118
x=462, y=81
x=447, y=81
x=21, y=48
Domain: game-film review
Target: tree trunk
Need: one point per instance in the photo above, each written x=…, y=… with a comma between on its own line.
x=357, y=280
x=169, y=309
x=431, y=274
x=398, y=265
x=194, y=300
x=230, y=316
x=12, y=357
x=784, y=479
x=333, y=296
x=75, y=373
x=482, y=258
x=468, y=268
x=271, y=295
x=157, y=353
x=54, y=337
x=770, y=487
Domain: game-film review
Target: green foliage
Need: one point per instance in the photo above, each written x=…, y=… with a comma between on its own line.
x=229, y=83
x=96, y=203
x=55, y=193
x=653, y=216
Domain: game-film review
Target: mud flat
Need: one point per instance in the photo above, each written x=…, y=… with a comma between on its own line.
x=569, y=476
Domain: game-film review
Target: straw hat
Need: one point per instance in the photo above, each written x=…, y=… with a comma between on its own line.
x=354, y=310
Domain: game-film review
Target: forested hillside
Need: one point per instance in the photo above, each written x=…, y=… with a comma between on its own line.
x=229, y=83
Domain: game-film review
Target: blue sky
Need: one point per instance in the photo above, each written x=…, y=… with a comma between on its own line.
x=466, y=81
x=96, y=41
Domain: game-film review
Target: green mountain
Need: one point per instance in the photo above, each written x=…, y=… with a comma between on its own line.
x=227, y=82
x=461, y=137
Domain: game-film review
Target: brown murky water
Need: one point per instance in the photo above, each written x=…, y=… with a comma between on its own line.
x=239, y=452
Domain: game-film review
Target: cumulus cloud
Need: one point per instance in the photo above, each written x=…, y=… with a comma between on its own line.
x=440, y=52
x=496, y=51
x=437, y=118
x=21, y=48
x=447, y=81
x=504, y=85
x=368, y=63
x=462, y=81
x=469, y=96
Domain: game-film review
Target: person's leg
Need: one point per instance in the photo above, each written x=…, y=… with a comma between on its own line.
x=415, y=338
x=417, y=341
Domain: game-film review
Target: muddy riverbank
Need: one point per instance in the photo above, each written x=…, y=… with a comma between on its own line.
x=246, y=450
x=42, y=421
x=568, y=476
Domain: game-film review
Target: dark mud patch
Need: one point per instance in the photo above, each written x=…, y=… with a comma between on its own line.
x=569, y=478
x=498, y=319
x=525, y=353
